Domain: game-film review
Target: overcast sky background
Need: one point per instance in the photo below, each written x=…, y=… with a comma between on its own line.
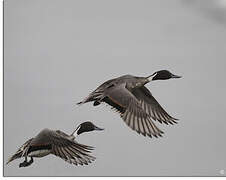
x=56, y=52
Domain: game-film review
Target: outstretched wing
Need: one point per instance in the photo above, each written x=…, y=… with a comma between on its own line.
x=131, y=110
x=151, y=106
x=70, y=150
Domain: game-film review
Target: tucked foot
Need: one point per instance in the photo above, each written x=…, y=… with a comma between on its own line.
x=96, y=103
x=25, y=163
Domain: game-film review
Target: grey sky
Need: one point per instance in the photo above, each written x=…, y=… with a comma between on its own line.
x=56, y=52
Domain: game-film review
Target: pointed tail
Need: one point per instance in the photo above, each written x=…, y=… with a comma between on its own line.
x=17, y=155
x=20, y=152
x=94, y=96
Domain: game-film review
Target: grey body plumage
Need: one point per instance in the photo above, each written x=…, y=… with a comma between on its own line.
x=58, y=143
x=135, y=103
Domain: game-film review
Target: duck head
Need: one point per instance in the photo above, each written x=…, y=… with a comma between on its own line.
x=162, y=75
x=86, y=127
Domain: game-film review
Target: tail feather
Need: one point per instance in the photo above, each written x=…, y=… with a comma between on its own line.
x=92, y=97
x=79, y=103
x=20, y=152
x=15, y=156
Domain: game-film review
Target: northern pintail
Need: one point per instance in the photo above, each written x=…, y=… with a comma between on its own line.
x=58, y=143
x=135, y=103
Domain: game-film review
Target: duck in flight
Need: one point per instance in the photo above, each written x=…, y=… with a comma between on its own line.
x=58, y=143
x=137, y=107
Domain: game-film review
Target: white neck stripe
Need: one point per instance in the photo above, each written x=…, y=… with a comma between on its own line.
x=75, y=133
x=150, y=78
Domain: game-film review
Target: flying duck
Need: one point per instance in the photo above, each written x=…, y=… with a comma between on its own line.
x=58, y=143
x=137, y=107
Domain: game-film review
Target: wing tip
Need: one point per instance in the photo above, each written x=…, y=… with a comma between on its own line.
x=170, y=121
x=156, y=135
